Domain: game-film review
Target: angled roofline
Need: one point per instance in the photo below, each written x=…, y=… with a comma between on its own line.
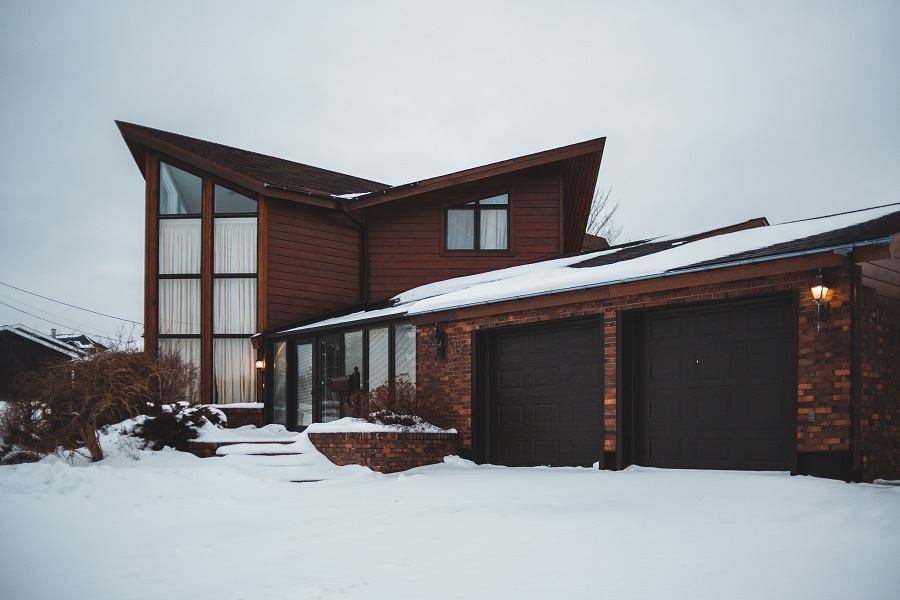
x=476, y=173
x=581, y=162
x=139, y=135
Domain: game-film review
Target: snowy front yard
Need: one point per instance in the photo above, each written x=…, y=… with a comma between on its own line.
x=177, y=527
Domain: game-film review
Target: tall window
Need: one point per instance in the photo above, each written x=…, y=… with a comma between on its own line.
x=479, y=225
x=234, y=271
x=234, y=295
x=178, y=285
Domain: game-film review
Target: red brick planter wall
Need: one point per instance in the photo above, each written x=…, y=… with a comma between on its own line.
x=385, y=452
x=242, y=415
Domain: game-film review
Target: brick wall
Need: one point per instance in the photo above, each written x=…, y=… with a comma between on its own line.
x=825, y=357
x=242, y=415
x=385, y=452
x=880, y=398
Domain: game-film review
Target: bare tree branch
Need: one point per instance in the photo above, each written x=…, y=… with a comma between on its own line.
x=602, y=218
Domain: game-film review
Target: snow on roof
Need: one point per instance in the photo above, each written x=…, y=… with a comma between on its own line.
x=42, y=339
x=655, y=258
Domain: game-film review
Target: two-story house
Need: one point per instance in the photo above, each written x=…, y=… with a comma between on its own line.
x=750, y=346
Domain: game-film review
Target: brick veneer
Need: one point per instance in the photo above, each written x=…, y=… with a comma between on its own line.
x=824, y=361
x=385, y=452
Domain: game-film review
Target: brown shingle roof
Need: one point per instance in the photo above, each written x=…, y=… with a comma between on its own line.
x=268, y=170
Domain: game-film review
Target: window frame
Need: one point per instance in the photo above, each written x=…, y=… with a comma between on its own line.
x=207, y=217
x=477, y=209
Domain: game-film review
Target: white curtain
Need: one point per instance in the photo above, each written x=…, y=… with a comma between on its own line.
x=233, y=365
x=234, y=306
x=279, y=383
x=304, y=385
x=405, y=351
x=189, y=351
x=187, y=348
x=378, y=356
x=179, y=306
x=235, y=245
x=494, y=234
x=179, y=246
x=460, y=230
x=353, y=353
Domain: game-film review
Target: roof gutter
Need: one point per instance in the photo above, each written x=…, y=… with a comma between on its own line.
x=842, y=249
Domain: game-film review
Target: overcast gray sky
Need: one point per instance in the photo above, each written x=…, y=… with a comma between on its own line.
x=715, y=112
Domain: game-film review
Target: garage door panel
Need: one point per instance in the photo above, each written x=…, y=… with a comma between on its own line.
x=511, y=379
x=664, y=367
x=586, y=412
x=714, y=323
x=715, y=407
x=662, y=328
x=664, y=407
x=511, y=415
x=768, y=319
x=546, y=414
x=716, y=391
x=546, y=378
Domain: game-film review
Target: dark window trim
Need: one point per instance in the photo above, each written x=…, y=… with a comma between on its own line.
x=315, y=338
x=215, y=179
x=477, y=208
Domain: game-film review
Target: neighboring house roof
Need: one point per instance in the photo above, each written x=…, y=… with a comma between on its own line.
x=44, y=340
x=82, y=342
x=650, y=259
x=579, y=164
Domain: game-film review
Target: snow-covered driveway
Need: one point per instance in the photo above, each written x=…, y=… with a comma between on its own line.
x=173, y=526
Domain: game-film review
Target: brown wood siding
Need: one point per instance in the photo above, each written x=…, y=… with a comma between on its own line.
x=406, y=236
x=884, y=277
x=312, y=262
x=151, y=249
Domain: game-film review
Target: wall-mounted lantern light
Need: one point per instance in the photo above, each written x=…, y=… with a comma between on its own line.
x=437, y=340
x=261, y=365
x=820, y=297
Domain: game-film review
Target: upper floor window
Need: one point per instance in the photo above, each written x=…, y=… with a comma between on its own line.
x=180, y=192
x=479, y=225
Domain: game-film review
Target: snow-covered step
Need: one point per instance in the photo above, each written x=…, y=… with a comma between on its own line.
x=259, y=449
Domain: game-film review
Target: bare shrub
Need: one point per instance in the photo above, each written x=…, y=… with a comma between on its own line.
x=398, y=402
x=63, y=405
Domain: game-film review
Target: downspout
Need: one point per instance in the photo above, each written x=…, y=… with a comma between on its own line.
x=856, y=321
x=363, y=252
x=856, y=326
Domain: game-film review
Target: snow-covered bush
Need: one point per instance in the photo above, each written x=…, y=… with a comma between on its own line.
x=174, y=425
x=401, y=402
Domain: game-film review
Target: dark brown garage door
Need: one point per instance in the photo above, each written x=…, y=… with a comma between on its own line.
x=716, y=387
x=546, y=395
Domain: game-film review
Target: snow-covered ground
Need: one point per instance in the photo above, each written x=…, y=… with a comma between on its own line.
x=174, y=526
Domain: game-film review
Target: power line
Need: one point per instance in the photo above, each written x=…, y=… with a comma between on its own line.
x=47, y=312
x=69, y=305
x=60, y=324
